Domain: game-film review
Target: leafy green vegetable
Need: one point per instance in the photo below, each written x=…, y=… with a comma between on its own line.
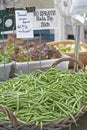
x=4, y=57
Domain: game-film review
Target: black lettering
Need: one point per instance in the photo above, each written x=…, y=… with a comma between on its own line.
x=45, y=24
x=40, y=19
x=24, y=22
x=36, y=13
x=49, y=18
x=22, y=19
x=19, y=14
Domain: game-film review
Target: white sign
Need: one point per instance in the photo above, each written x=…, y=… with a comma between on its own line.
x=44, y=19
x=23, y=24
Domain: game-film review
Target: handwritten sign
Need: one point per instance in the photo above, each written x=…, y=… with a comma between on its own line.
x=44, y=19
x=23, y=24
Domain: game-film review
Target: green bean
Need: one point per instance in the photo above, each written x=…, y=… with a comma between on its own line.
x=45, y=96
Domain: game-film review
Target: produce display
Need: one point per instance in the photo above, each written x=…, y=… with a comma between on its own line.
x=31, y=52
x=38, y=93
x=4, y=57
x=44, y=96
x=67, y=47
x=70, y=48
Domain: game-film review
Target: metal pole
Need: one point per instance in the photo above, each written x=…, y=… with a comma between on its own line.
x=76, y=49
x=40, y=47
x=56, y=31
x=28, y=60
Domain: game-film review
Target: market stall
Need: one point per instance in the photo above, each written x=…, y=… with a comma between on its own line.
x=43, y=83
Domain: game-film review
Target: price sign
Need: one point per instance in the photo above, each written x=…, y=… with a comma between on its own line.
x=23, y=24
x=44, y=19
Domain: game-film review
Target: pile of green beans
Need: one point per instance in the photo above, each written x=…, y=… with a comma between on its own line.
x=44, y=96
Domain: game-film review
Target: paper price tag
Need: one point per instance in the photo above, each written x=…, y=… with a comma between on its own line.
x=44, y=19
x=23, y=24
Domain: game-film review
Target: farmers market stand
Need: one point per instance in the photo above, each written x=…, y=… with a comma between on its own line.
x=40, y=97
